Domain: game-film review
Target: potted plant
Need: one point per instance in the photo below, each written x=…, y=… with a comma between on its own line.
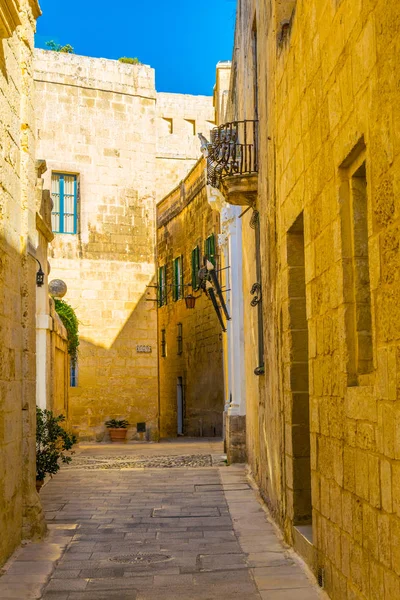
x=117, y=429
x=52, y=441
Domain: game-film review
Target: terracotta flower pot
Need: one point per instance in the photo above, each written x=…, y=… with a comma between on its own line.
x=117, y=434
x=39, y=483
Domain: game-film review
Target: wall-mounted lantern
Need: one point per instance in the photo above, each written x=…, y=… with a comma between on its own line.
x=39, y=275
x=190, y=301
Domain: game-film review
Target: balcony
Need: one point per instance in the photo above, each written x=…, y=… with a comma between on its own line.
x=232, y=161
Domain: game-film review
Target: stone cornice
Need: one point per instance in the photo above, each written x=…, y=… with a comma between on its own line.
x=44, y=228
x=36, y=10
x=9, y=17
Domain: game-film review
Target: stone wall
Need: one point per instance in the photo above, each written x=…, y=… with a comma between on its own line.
x=322, y=434
x=185, y=220
x=180, y=117
x=58, y=366
x=52, y=358
x=94, y=120
x=101, y=120
x=20, y=513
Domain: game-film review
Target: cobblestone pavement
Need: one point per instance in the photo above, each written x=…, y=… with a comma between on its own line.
x=154, y=534
x=126, y=461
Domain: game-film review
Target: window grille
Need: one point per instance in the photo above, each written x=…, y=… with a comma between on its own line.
x=64, y=215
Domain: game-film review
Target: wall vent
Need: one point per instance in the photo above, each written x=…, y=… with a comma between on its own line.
x=321, y=577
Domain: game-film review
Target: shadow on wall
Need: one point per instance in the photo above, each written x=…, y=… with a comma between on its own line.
x=120, y=381
x=20, y=510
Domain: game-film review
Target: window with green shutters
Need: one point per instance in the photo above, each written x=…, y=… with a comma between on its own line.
x=209, y=249
x=162, y=285
x=177, y=284
x=195, y=268
x=64, y=216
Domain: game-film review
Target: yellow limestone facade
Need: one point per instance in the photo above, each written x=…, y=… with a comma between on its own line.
x=190, y=340
x=104, y=123
x=20, y=512
x=323, y=421
x=52, y=359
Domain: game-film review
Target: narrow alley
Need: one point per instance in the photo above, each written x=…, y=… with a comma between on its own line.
x=123, y=533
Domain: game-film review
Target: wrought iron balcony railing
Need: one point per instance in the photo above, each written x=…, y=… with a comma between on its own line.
x=233, y=150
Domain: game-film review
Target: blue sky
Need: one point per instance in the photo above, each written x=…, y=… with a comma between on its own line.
x=182, y=39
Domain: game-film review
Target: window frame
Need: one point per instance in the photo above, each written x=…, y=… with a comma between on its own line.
x=61, y=213
x=73, y=374
x=355, y=227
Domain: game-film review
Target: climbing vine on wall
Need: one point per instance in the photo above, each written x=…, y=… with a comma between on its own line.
x=71, y=323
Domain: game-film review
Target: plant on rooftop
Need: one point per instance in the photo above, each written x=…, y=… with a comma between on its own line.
x=129, y=61
x=71, y=323
x=52, y=443
x=52, y=45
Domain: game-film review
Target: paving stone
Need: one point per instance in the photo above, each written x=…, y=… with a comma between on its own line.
x=267, y=559
x=275, y=578
x=106, y=595
x=118, y=583
x=112, y=529
x=173, y=581
x=66, y=585
x=96, y=573
x=291, y=594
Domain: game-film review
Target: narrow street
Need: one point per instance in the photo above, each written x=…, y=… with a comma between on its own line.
x=169, y=533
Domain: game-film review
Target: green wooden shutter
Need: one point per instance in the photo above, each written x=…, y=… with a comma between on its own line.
x=160, y=286
x=181, y=282
x=164, y=284
x=195, y=267
x=209, y=249
x=175, y=279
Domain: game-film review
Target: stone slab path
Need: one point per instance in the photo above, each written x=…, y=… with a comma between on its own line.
x=155, y=534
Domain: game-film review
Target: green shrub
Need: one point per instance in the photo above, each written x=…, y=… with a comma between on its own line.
x=52, y=45
x=129, y=61
x=52, y=441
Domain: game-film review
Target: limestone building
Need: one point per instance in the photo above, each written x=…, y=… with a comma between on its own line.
x=190, y=339
x=20, y=512
x=113, y=147
x=52, y=358
x=321, y=242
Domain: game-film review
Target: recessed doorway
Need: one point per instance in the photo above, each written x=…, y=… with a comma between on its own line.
x=180, y=405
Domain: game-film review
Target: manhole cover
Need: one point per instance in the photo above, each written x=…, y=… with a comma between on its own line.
x=141, y=558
